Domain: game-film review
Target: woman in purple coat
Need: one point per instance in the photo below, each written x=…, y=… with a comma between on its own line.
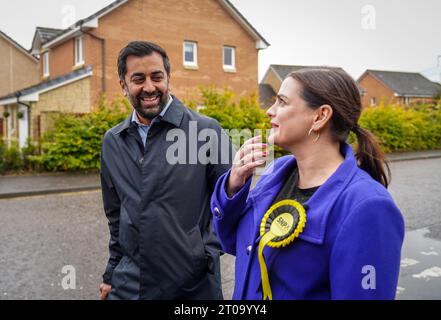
x=320, y=223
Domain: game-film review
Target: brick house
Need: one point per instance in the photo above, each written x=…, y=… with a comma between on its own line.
x=402, y=88
x=274, y=76
x=209, y=43
x=18, y=68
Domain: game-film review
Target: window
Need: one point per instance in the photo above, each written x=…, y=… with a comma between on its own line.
x=229, y=58
x=190, y=54
x=373, y=101
x=406, y=101
x=46, y=64
x=79, y=56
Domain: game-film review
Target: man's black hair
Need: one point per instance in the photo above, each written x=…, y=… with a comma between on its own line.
x=140, y=49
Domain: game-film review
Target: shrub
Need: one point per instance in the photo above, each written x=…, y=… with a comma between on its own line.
x=404, y=129
x=243, y=113
x=75, y=142
x=30, y=153
x=2, y=154
x=11, y=159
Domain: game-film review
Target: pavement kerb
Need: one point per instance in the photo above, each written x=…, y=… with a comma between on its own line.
x=33, y=193
x=30, y=193
x=394, y=158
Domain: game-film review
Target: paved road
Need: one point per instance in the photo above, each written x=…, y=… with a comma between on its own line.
x=40, y=235
x=416, y=187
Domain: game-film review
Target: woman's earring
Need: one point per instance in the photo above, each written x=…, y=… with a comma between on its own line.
x=318, y=135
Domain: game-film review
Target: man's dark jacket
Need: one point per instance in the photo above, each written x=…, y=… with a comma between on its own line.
x=162, y=243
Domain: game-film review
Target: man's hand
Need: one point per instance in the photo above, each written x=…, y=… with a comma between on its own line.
x=104, y=291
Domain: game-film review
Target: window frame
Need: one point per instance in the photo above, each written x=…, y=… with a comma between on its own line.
x=79, y=51
x=194, y=63
x=46, y=64
x=231, y=67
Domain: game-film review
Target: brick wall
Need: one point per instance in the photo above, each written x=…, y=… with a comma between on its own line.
x=419, y=100
x=378, y=90
x=61, y=60
x=17, y=70
x=72, y=98
x=375, y=88
x=202, y=21
x=169, y=23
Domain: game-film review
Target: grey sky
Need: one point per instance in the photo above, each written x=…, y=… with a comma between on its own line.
x=407, y=34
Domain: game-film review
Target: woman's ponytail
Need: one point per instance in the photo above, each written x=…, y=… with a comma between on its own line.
x=369, y=156
x=337, y=89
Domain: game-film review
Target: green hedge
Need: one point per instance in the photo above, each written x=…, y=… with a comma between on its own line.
x=231, y=112
x=404, y=129
x=14, y=160
x=242, y=117
x=242, y=114
x=10, y=158
x=75, y=142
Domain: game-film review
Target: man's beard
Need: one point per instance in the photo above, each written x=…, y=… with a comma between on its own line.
x=150, y=112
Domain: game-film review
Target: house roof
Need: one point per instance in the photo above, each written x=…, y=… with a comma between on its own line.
x=283, y=71
x=225, y=4
x=266, y=94
x=46, y=34
x=17, y=45
x=31, y=93
x=245, y=23
x=96, y=15
x=405, y=83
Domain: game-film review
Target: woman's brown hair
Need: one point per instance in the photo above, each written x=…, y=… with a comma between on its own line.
x=336, y=88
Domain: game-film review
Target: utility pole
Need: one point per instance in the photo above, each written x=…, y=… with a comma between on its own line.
x=439, y=67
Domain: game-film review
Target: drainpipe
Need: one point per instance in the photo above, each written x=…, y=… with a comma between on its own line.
x=103, y=55
x=28, y=108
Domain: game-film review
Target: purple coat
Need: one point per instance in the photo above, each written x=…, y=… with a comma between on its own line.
x=350, y=247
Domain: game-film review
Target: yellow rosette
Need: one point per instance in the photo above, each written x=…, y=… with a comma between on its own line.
x=280, y=226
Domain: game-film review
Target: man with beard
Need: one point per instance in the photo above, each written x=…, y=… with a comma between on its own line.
x=162, y=243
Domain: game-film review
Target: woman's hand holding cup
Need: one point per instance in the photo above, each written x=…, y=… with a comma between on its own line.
x=250, y=156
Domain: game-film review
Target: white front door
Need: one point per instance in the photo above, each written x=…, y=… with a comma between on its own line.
x=23, y=127
x=9, y=125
